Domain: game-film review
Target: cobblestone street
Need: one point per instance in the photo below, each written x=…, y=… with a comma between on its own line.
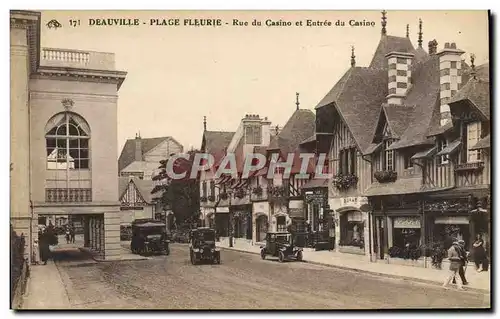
x=242, y=281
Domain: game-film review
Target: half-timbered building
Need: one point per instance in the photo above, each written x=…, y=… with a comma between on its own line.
x=406, y=173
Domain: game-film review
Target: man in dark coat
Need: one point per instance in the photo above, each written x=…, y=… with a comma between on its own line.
x=44, y=247
x=464, y=261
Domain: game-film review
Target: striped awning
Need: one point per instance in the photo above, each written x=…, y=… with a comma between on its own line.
x=224, y=179
x=452, y=147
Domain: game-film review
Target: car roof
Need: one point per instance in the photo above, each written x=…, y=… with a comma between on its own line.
x=150, y=224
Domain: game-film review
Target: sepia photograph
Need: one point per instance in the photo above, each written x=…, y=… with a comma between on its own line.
x=250, y=160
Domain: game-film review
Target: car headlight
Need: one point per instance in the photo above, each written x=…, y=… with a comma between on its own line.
x=196, y=250
x=217, y=249
x=212, y=250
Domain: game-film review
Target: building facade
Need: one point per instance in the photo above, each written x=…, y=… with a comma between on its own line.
x=58, y=139
x=409, y=150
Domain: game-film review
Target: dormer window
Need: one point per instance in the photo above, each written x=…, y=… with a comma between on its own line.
x=389, y=156
x=472, y=136
x=442, y=144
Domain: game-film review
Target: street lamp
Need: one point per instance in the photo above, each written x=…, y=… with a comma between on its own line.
x=231, y=221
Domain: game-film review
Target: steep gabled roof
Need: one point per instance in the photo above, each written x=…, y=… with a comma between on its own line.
x=144, y=187
x=127, y=155
x=358, y=96
x=477, y=92
x=216, y=143
x=398, y=118
x=424, y=94
x=301, y=125
x=389, y=43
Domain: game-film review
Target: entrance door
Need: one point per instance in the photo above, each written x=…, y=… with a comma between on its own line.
x=261, y=227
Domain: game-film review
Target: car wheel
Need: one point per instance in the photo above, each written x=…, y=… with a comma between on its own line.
x=263, y=253
x=281, y=257
x=299, y=255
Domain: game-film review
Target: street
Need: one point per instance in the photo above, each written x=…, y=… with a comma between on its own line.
x=242, y=281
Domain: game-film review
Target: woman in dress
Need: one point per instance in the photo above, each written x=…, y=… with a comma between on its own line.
x=479, y=253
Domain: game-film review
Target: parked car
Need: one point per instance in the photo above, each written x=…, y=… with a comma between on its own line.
x=281, y=245
x=149, y=237
x=202, y=246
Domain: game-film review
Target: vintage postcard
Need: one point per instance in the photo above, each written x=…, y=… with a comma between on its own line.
x=251, y=160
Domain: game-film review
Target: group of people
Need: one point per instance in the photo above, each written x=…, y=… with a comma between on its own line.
x=70, y=234
x=459, y=259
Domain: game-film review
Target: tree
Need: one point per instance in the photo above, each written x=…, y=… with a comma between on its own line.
x=181, y=195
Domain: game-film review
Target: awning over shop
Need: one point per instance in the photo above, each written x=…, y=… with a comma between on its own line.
x=400, y=186
x=425, y=154
x=452, y=147
x=316, y=183
x=482, y=143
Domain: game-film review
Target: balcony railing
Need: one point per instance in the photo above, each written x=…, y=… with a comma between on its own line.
x=77, y=59
x=68, y=195
x=473, y=166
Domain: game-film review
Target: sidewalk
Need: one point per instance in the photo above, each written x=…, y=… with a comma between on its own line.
x=45, y=289
x=477, y=281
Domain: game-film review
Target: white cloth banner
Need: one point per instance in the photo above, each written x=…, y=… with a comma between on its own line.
x=407, y=222
x=452, y=220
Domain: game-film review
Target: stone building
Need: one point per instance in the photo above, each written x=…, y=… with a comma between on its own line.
x=63, y=136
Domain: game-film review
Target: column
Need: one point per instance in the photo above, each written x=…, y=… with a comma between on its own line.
x=20, y=210
x=112, y=247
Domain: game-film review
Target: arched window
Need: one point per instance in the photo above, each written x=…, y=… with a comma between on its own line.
x=68, y=142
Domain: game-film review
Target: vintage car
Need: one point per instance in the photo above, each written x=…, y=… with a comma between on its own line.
x=202, y=246
x=281, y=245
x=149, y=237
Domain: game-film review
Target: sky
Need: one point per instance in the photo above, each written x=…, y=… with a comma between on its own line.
x=178, y=74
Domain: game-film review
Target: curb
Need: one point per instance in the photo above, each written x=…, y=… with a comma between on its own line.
x=99, y=260
x=405, y=278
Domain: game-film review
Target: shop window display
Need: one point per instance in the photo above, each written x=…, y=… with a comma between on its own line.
x=406, y=243
x=446, y=233
x=351, y=232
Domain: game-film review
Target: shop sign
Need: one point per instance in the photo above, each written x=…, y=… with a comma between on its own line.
x=295, y=212
x=452, y=220
x=355, y=217
x=354, y=201
x=407, y=222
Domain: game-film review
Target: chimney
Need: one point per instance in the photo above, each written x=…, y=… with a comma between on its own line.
x=433, y=47
x=266, y=131
x=399, y=75
x=138, y=148
x=450, y=80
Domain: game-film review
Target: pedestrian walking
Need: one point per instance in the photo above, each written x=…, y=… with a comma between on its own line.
x=72, y=234
x=455, y=263
x=44, y=247
x=67, y=235
x=478, y=252
x=464, y=260
x=36, y=253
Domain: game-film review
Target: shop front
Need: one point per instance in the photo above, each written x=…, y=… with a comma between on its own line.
x=351, y=215
x=242, y=222
x=221, y=221
x=260, y=221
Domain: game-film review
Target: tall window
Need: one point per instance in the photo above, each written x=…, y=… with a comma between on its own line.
x=389, y=156
x=347, y=161
x=442, y=144
x=473, y=136
x=212, y=188
x=204, y=189
x=253, y=134
x=68, y=139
